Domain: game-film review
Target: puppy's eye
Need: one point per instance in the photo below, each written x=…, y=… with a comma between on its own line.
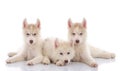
x=81, y=34
x=73, y=33
x=68, y=53
x=27, y=34
x=61, y=53
x=34, y=34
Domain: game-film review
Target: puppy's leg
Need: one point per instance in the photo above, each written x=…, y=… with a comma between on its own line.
x=35, y=60
x=87, y=58
x=46, y=60
x=16, y=58
x=10, y=54
x=98, y=53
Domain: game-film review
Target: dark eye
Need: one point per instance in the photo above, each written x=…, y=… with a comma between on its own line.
x=73, y=33
x=27, y=34
x=68, y=53
x=61, y=53
x=34, y=34
x=81, y=33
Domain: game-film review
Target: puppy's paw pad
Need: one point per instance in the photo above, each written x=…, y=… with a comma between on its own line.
x=30, y=63
x=94, y=65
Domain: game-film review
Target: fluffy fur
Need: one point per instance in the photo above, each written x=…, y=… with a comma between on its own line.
x=57, y=51
x=77, y=33
x=32, y=50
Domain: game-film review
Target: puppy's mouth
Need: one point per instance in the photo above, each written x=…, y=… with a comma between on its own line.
x=75, y=44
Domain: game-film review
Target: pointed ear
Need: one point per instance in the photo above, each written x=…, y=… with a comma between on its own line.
x=56, y=43
x=38, y=23
x=69, y=23
x=84, y=23
x=24, y=23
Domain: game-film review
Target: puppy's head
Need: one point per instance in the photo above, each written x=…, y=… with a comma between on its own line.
x=64, y=51
x=77, y=32
x=31, y=32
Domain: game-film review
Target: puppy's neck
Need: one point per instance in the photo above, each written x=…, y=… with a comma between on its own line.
x=80, y=45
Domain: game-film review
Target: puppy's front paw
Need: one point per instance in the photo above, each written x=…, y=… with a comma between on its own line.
x=9, y=60
x=46, y=61
x=94, y=64
x=11, y=54
x=30, y=63
x=109, y=55
x=112, y=55
x=60, y=63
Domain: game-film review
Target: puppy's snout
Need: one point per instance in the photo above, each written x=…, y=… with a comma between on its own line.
x=31, y=41
x=77, y=41
x=66, y=61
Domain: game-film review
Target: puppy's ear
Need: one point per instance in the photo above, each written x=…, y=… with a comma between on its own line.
x=24, y=23
x=84, y=23
x=38, y=23
x=69, y=23
x=56, y=43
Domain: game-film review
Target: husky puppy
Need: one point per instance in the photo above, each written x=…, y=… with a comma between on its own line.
x=32, y=50
x=57, y=51
x=77, y=33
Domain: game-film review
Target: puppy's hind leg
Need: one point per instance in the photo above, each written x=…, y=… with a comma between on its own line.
x=10, y=54
x=98, y=53
x=88, y=59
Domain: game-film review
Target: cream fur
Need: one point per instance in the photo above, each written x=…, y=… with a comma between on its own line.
x=52, y=49
x=84, y=52
x=32, y=51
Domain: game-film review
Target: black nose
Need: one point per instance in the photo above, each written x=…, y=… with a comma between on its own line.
x=31, y=41
x=66, y=61
x=77, y=41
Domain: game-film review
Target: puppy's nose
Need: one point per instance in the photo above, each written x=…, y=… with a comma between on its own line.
x=66, y=61
x=31, y=41
x=77, y=41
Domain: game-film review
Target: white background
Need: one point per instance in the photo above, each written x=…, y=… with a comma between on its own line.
x=103, y=19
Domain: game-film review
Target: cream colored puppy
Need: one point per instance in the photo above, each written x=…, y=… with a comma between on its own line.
x=77, y=33
x=57, y=51
x=32, y=50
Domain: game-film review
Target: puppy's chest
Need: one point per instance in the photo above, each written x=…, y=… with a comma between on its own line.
x=77, y=54
x=30, y=54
